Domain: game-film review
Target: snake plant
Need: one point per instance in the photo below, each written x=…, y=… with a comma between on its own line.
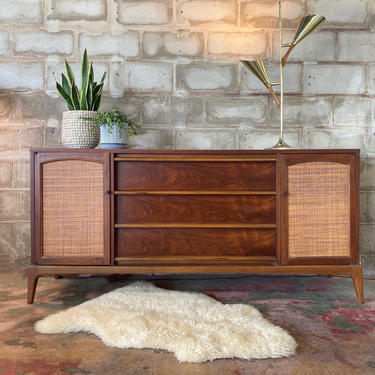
x=89, y=97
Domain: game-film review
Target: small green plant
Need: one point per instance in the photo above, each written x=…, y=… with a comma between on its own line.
x=89, y=97
x=113, y=118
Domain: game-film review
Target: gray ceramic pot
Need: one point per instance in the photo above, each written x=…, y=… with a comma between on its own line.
x=115, y=139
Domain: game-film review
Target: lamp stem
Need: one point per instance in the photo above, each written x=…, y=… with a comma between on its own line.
x=281, y=144
x=281, y=76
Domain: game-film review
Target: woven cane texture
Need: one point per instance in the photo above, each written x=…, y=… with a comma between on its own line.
x=318, y=210
x=76, y=133
x=72, y=209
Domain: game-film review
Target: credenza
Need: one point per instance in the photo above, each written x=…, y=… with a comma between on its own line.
x=193, y=211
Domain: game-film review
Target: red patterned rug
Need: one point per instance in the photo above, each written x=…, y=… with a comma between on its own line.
x=335, y=333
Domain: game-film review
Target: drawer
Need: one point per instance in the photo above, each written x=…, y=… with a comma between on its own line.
x=166, y=208
x=195, y=175
x=195, y=242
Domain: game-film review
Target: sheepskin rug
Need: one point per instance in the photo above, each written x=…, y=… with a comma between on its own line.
x=195, y=327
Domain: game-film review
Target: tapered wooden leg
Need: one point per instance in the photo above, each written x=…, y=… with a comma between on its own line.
x=357, y=278
x=32, y=282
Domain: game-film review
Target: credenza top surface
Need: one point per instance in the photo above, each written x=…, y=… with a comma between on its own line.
x=196, y=152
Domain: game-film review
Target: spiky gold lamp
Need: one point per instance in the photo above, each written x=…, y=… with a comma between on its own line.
x=305, y=26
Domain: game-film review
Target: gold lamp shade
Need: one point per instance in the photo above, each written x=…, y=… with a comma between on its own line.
x=305, y=26
x=258, y=68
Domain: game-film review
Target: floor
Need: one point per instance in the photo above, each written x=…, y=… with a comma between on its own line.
x=335, y=333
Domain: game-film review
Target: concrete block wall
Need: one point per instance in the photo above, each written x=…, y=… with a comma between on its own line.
x=173, y=65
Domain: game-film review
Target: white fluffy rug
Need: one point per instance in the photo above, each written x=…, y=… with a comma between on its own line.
x=196, y=328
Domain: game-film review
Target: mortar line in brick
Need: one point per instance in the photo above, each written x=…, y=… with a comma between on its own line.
x=11, y=42
x=174, y=12
x=238, y=15
x=44, y=13
x=204, y=115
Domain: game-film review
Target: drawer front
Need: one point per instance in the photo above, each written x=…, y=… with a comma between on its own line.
x=195, y=175
x=167, y=208
x=195, y=241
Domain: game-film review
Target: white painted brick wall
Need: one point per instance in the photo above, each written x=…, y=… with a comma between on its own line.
x=20, y=77
x=21, y=11
x=74, y=10
x=143, y=12
x=186, y=111
x=292, y=79
x=300, y=111
x=237, y=111
x=318, y=46
x=250, y=45
x=169, y=45
x=4, y=42
x=260, y=13
x=192, y=12
x=339, y=11
x=260, y=139
x=371, y=79
x=353, y=111
x=155, y=110
x=333, y=79
x=220, y=139
x=39, y=42
x=334, y=138
x=202, y=77
x=356, y=46
x=124, y=44
x=141, y=77
x=153, y=139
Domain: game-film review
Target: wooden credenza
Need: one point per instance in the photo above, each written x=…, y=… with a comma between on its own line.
x=154, y=211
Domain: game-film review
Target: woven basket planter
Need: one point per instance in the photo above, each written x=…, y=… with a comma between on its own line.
x=76, y=131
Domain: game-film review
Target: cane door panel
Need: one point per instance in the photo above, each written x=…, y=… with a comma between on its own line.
x=72, y=209
x=318, y=197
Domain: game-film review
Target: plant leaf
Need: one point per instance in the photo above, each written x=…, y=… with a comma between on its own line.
x=65, y=96
x=97, y=103
x=65, y=84
x=97, y=97
x=91, y=74
x=75, y=98
x=97, y=89
x=69, y=73
x=89, y=98
x=103, y=78
x=85, y=77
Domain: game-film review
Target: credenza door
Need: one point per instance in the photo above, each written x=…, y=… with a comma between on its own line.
x=71, y=205
x=319, y=204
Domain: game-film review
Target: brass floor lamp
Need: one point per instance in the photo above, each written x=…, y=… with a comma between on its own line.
x=306, y=25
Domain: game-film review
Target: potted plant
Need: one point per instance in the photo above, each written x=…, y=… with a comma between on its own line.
x=115, y=128
x=82, y=104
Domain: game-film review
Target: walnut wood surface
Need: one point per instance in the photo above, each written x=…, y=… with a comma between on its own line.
x=195, y=175
x=195, y=192
x=33, y=272
x=195, y=241
x=195, y=209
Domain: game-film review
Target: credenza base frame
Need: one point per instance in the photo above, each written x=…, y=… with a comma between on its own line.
x=33, y=272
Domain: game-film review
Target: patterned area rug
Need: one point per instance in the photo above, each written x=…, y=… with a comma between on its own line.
x=195, y=327
x=335, y=334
